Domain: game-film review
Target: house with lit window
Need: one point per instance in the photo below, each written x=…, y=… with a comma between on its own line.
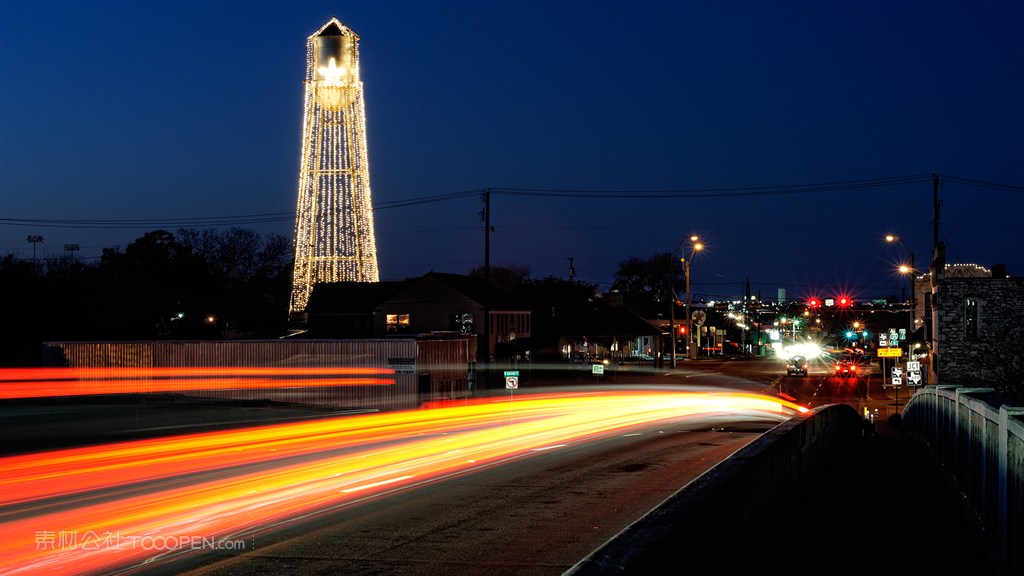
x=432, y=304
x=437, y=302
x=977, y=326
x=349, y=310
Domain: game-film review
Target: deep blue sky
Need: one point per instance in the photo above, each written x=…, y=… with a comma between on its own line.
x=166, y=111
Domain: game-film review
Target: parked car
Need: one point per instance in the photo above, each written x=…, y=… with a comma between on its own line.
x=796, y=365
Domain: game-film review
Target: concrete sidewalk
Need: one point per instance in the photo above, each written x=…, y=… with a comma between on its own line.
x=881, y=506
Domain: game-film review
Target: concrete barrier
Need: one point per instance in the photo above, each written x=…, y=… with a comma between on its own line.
x=765, y=479
x=977, y=437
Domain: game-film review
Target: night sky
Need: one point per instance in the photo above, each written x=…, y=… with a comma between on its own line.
x=791, y=136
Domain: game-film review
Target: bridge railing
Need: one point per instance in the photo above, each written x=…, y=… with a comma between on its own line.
x=978, y=438
x=764, y=479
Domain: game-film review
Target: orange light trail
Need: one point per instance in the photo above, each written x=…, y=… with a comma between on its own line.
x=51, y=382
x=222, y=485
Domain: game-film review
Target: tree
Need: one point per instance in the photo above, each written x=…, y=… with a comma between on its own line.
x=509, y=277
x=252, y=278
x=644, y=282
x=152, y=286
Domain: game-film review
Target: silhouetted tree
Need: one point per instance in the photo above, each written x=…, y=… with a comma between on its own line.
x=508, y=277
x=644, y=283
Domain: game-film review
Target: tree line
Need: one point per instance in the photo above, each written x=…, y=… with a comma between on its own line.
x=208, y=284
x=185, y=285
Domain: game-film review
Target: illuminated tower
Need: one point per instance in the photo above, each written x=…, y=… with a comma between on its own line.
x=334, y=239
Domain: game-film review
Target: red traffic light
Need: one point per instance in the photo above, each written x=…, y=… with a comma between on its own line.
x=844, y=301
x=813, y=303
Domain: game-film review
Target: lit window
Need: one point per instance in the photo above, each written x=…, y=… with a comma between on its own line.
x=398, y=323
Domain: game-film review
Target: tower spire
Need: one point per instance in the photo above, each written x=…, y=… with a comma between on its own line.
x=334, y=235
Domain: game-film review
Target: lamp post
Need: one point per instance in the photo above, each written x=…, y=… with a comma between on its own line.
x=672, y=292
x=691, y=352
x=909, y=271
x=34, y=239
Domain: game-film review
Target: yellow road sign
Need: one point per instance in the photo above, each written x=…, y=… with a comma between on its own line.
x=890, y=352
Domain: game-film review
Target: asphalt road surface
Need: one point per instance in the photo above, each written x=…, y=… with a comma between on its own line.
x=533, y=516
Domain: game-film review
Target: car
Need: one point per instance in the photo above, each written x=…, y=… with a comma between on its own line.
x=847, y=368
x=797, y=365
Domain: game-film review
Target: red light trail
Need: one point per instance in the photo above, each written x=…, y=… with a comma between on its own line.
x=51, y=382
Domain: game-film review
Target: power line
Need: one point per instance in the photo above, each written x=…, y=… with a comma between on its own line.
x=717, y=192
x=536, y=192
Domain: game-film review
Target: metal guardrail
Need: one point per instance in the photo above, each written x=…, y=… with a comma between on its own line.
x=978, y=437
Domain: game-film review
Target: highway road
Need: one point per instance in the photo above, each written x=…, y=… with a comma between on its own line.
x=523, y=484
x=534, y=516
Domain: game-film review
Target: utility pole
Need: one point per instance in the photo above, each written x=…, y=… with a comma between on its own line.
x=758, y=323
x=672, y=308
x=935, y=211
x=572, y=270
x=487, y=284
x=746, y=299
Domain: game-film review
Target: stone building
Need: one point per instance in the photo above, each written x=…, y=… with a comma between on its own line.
x=977, y=326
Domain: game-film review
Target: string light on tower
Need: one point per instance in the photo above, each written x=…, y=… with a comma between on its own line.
x=334, y=237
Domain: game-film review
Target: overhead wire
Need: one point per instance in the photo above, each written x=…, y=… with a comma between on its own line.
x=537, y=192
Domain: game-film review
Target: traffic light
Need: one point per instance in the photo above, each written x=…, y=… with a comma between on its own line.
x=844, y=302
x=682, y=330
x=813, y=303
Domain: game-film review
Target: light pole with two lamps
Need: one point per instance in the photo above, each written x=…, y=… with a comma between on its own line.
x=909, y=271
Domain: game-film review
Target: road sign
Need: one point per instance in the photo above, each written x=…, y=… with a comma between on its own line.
x=890, y=352
x=913, y=378
x=903, y=333
x=511, y=379
x=883, y=339
x=913, y=366
x=897, y=372
x=598, y=369
x=896, y=381
x=699, y=317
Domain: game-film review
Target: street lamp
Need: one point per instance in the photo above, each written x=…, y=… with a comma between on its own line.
x=672, y=291
x=34, y=239
x=909, y=271
x=696, y=246
x=71, y=248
